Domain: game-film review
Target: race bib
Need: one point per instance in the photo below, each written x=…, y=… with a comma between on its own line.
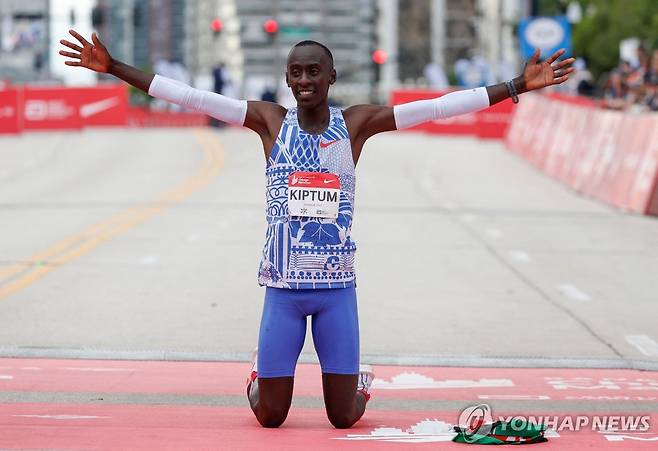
x=313, y=194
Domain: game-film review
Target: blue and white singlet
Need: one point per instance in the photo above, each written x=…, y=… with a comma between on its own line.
x=307, y=252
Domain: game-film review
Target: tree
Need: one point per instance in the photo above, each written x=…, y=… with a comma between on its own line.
x=604, y=25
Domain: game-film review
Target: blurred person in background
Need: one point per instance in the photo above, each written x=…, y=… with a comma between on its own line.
x=311, y=151
x=651, y=83
x=268, y=94
x=219, y=78
x=616, y=94
x=436, y=76
x=581, y=83
x=636, y=73
x=219, y=81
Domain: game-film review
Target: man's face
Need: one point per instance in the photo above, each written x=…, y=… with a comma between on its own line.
x=309, y=73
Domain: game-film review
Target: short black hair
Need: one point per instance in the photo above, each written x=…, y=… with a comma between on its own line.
x=322, y=46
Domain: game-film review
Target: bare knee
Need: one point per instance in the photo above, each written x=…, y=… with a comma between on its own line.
x=271, y=418
x=273, y=401
x=341, y=421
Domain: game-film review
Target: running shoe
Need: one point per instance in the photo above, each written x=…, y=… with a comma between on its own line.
x=366, y=376
x=251, y=379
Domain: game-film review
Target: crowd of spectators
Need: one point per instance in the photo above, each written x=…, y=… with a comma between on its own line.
x=633, y=86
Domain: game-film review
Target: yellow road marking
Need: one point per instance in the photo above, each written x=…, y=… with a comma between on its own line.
x=20, y=275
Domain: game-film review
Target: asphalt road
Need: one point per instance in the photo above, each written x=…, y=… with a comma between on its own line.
x=145, y=244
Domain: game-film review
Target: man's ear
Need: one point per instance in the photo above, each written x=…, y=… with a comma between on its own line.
x=332, y=77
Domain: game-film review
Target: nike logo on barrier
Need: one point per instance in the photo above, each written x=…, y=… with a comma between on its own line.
x=92, y=109
x=324, y=145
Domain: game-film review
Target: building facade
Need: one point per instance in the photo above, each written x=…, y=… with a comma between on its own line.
x=455, y=34
x=24, y=38
x=146, y=33
x=347, y=27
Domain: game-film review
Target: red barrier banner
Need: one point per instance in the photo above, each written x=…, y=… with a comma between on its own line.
x=49, y=109
x=102, y=105
x=633, y=138
x=10, y=111
x=609, y=155
x=569, y=135
x=492, y=122
x=602, y=152
x=644, y=192
x=525, y=119
x=73, y=108
x=144, y=117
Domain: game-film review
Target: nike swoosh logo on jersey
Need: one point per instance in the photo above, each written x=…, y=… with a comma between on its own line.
x=329, y=181
x=324, y=145
x=93, y=108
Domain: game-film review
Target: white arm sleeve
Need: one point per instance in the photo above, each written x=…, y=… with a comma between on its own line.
x=218, y=106
x=452, y=104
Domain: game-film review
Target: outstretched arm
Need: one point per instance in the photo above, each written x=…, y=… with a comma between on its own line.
x=97, y=58
x=365, y=121
x=262, y=117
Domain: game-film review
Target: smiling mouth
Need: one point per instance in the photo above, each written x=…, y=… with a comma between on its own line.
x=305, y=93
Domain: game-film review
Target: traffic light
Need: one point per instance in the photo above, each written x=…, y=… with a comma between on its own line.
x=270, y=27
x=216, y=26
x=379, y=57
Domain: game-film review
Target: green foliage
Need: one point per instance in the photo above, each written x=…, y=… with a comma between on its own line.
x=551, y=7
x=606, y=23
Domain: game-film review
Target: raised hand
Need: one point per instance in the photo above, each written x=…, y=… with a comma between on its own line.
x=92, y=56
x=539, y=74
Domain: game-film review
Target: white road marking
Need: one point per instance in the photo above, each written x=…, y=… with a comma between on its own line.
x=516, y=397
x=63, y=417
x=424, y=431
x=494, y=233
x=643, y=343
x=519, y=256
x=573, y=292
x=634, y=437
x=101, y=370
x=412, y=380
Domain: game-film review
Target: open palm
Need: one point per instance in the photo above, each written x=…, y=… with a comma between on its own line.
x=539, y=74
x=92, y=56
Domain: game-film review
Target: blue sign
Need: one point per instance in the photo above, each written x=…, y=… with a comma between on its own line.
x=549, y=34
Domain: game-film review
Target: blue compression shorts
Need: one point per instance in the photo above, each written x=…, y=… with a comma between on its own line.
x=335, y=326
